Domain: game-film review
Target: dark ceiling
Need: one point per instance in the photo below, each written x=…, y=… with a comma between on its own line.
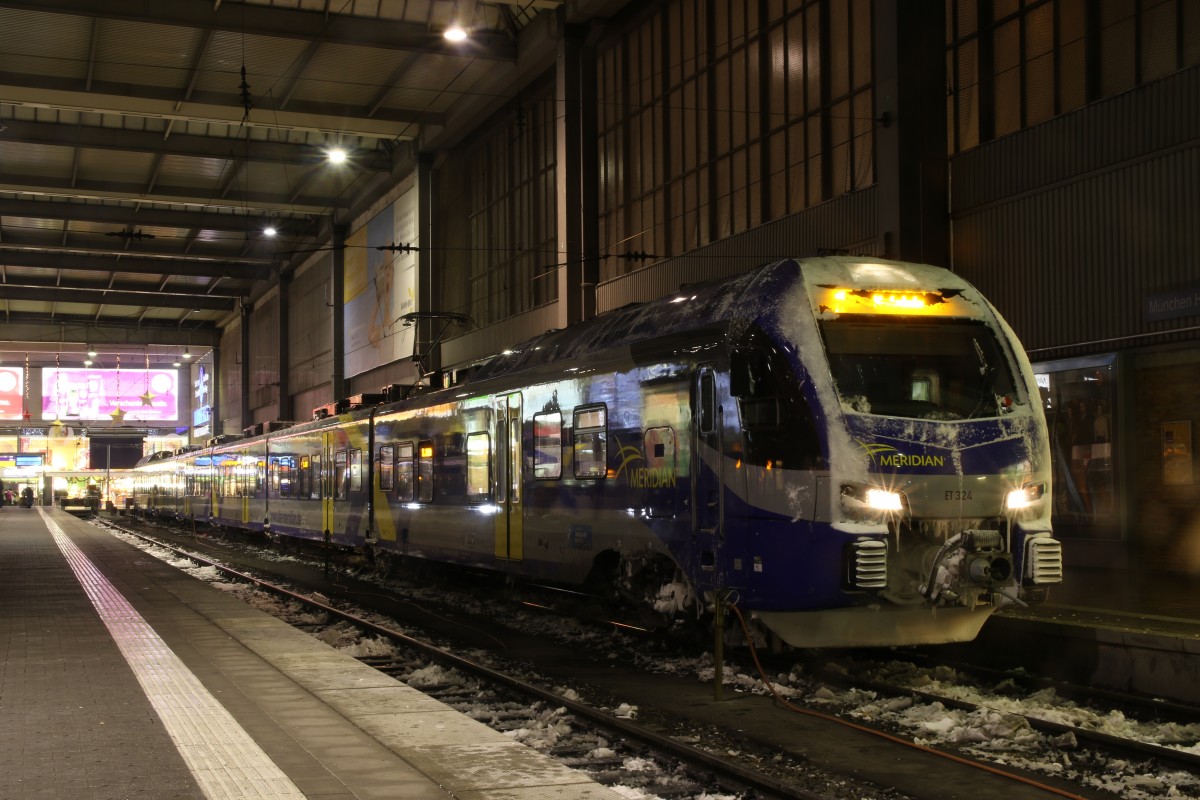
x=145, y=147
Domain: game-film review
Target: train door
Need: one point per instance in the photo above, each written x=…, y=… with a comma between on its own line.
x=325, y=467
x=707, y=516
x=507, y=472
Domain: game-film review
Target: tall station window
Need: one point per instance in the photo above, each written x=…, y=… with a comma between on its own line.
x=1030, y=60
x=773, y=105
x=509, y=209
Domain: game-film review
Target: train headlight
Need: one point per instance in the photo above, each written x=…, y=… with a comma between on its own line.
x=1024, y=497
x=871, y=499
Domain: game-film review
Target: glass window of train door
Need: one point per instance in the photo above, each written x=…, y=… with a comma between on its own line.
x=514, y=447
x=708, y=402
x=501, y=456
x=355, y=470
x=314, y=484
x=425, y=472
x=479, y=449
x=387, y=467
x=404, y=472
x=341, y=461
x=303, y=470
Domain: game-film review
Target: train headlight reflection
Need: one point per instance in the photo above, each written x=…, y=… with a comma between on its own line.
x=871, y=499
x=1024, y=497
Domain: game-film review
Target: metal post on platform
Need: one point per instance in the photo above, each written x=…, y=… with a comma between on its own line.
x=719, y=644
x=328, y=548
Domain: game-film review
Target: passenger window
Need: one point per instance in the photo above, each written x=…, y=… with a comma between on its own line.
x=387, y=467
x=478, y=455
x=315, y=483
x=591, y=442
x=425, y=473
x=778, y=428
x=404, y=472
x=547, y=446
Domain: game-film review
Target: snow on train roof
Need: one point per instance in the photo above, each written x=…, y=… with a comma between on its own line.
x=718, y=304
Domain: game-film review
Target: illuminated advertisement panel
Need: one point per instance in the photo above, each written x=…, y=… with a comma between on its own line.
x=12, y=390
x=95, y=394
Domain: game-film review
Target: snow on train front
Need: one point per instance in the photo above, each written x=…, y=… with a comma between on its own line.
x=938, y=455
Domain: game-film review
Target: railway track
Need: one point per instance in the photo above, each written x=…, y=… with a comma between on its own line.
x=1090, y=750
x=612, y=750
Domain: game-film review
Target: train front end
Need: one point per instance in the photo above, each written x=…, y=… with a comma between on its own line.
x=939, y=462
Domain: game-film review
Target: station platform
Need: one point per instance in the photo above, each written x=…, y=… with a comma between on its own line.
x=1126, y=631
x=123, y=677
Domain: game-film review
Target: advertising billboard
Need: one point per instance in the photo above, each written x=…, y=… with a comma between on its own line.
x=12, y=388
x=94, y=394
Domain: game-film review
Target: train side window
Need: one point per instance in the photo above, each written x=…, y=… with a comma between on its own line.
x=404, y=472
x=387, y=467
x=547, y=446
x=315, y=484
x=777, y=424
x=341, y=462
x=425, y=472
x=591, y=442
x=302, y=477
x=260, y=477
x=356, y=470
x=479, y=449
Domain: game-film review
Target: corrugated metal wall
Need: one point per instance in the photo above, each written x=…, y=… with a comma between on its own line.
x=264, y=360
x=229, y=411
x=1069, y=226
x=310, y=336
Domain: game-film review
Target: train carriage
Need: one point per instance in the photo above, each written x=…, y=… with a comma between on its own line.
x=852, y=449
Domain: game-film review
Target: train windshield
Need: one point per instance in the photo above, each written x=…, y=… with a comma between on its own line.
x=941, y=369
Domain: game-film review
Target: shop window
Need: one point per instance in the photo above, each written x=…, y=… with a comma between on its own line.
x=1079, y=399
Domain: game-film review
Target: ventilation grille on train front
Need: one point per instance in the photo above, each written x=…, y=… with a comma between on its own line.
x=868, y=564
x=1043, y=560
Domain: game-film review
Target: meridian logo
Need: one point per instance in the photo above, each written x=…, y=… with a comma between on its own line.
x=884, y=455
x=641, y=477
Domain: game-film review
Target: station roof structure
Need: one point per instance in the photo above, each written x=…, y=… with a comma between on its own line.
x=146, y=148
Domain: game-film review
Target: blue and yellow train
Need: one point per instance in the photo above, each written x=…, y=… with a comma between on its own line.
x=852, y=449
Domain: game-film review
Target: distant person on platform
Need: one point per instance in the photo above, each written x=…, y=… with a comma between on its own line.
x=27, y=496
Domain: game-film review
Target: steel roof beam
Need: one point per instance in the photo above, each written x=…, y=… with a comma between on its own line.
x=150, y=266
x=88, y=296
x=182, y=195
x=216, y=107
x=27, y=244
x=93, y=137
x=287, y=23
x=163, y=287
x=127, y=215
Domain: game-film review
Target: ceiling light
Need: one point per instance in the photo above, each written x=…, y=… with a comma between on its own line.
x=91, y=351
x=269, y=230
x=187, y=353
x=336, y=155
x=455, y=33
x=87, y=362
x=176, y=363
